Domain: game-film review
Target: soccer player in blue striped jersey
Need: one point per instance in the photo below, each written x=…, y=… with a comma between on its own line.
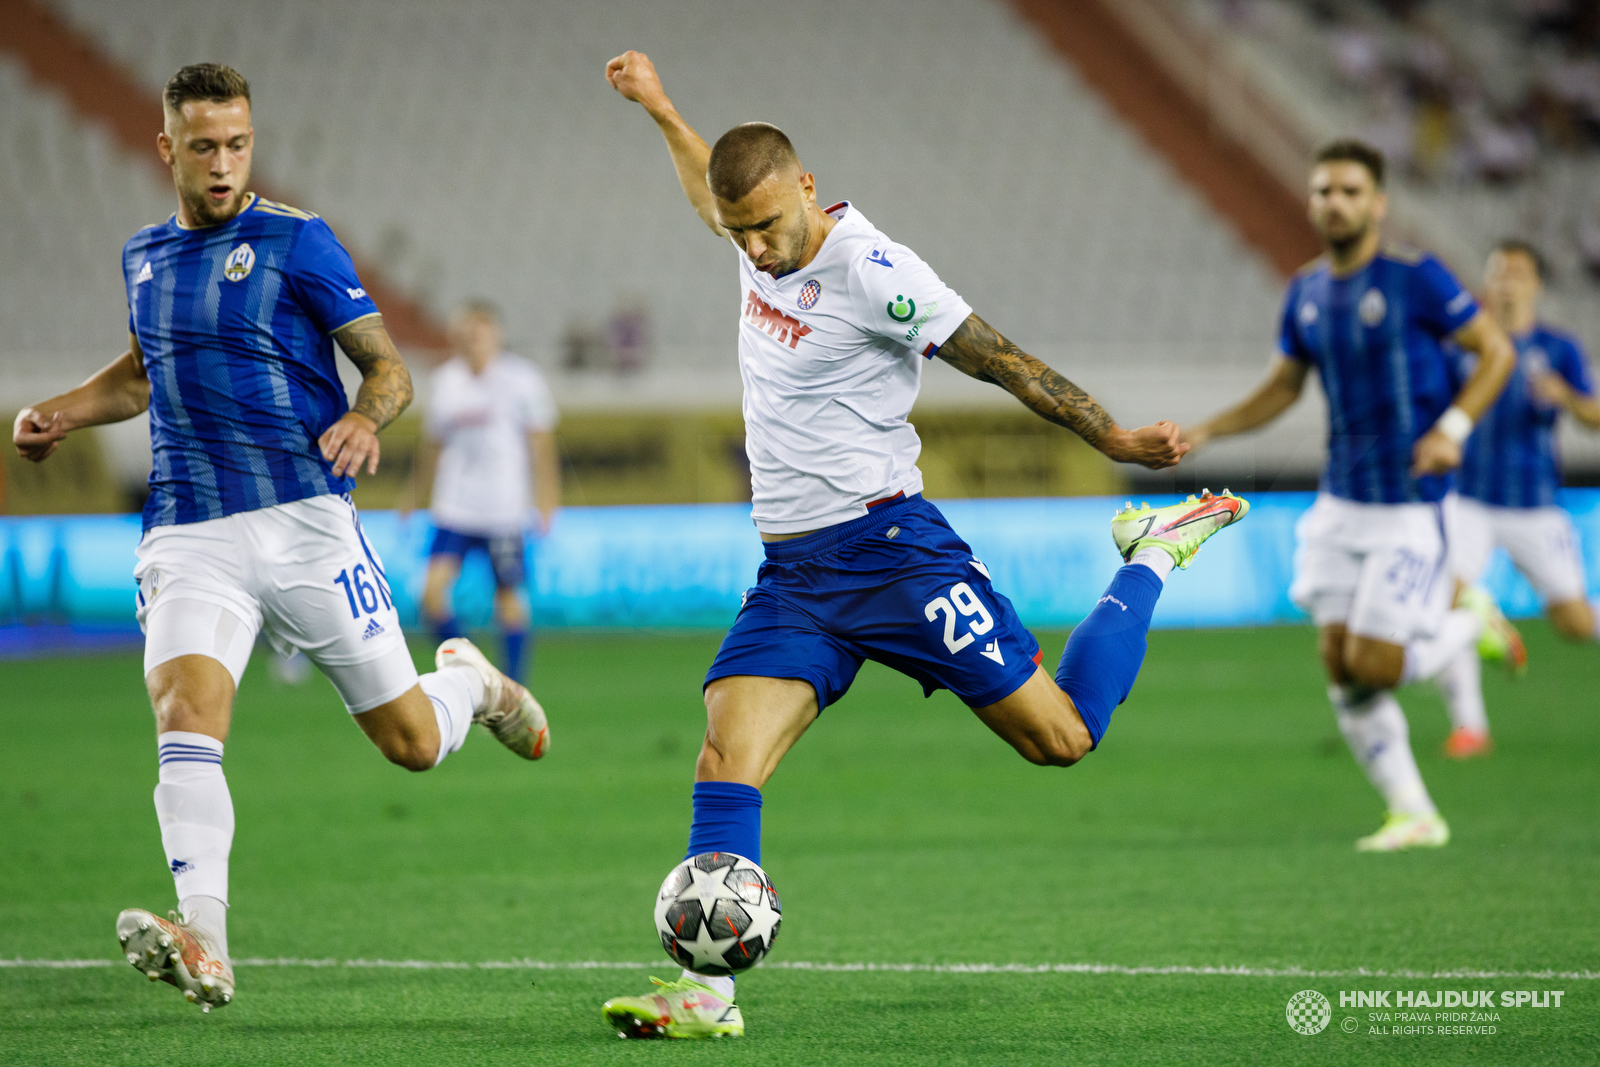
x=1372, y=570
x=234, y=307
x=1510, y=472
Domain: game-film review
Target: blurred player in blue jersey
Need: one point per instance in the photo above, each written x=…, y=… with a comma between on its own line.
x=1372, y=568
x=1510, y=472
x=488, y=455
x=835, y=324
x=234, y=305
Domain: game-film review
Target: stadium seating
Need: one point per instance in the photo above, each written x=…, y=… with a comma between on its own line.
x=475, y=149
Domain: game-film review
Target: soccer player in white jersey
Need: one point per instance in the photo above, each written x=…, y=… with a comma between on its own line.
x=1372, y=569
x=489, y=434
x=234, y=305
x=1510, y=474
x=835, y=322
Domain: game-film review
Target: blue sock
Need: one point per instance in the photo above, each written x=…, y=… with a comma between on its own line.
x=1104, y=653
x=446, y=628
x=727, y=818
x=516, y=645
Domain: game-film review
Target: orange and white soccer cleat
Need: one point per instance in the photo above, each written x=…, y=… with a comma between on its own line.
x=1178, y=529
x=509, y=710
x=1466, y=743
x=172, y=951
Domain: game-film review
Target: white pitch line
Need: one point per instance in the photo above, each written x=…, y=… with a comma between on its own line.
x=914, y=968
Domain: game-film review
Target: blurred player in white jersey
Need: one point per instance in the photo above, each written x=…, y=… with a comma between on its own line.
x=1510, y=473
x=835, y=324
x=234, y=305
x=1372, y=569
x=489, y=452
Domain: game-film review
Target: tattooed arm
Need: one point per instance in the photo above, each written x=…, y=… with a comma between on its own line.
x=385, y=391
x=977, y=350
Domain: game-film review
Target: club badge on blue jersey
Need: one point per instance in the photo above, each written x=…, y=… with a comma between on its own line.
x=236, y=268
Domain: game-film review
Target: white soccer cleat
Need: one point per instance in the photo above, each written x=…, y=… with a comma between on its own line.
x=509, y=711
x=1400, y=832
x=170, y=950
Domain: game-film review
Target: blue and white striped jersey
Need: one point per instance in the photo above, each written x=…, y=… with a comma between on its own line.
x=236, y=323
x=1512, y=459
x=1375, y=338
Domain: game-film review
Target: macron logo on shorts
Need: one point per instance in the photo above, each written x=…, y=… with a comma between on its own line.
x=372, y=630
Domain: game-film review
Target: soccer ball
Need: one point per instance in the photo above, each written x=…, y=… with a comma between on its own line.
x=717, y=913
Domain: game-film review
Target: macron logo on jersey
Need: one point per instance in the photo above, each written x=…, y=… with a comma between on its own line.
x=783, y=328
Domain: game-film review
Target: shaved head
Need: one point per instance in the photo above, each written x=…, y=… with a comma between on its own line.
x=746, y=156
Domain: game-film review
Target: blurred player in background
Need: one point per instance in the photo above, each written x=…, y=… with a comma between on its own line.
x=835, y=322
x=488, y=453
x=1372, y=569
x=234, y=305
x=1510, y=472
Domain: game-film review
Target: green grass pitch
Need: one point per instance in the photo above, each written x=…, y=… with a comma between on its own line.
x=1214, y=828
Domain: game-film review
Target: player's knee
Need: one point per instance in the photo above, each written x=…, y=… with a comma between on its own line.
x=414, y=754
x=1574, y=624
x=1372, y=669
x=1056, y=748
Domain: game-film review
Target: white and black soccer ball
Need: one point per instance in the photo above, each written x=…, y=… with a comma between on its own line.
x=717, y=913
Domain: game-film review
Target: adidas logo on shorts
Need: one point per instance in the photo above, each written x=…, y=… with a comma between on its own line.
x=372, y=630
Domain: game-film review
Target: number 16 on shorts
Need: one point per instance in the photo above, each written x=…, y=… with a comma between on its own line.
x=361, y=593
x=961, y=601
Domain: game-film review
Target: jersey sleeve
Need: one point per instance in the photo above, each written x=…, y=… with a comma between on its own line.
x=323, y=279
x=1572, y=365
x=1438, y=300
x=539, y=413
x=1288, y=336
x=901, y=299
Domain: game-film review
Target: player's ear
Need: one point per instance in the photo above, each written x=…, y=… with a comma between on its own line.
x=808, y=186
x=164, y=147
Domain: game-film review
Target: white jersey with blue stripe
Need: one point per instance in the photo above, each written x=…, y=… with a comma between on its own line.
x=235, y=322
x=1512, y=459
x=1376, y=337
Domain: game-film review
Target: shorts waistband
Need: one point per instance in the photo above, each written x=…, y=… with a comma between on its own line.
x=813, y=544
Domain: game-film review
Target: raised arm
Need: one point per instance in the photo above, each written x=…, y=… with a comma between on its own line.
x=979, y=351
x=1439, y=450
x=1286, y=379
x=385, y=391
x=119, y=390
x=634, y=76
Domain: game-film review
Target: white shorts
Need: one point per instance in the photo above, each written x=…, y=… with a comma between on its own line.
x=1542, y=542
x=302, y=572
x=1378, y=569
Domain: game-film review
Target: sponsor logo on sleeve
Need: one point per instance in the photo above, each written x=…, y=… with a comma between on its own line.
x=902, y=308
x=357, y=293
x=1459, y=303
x=1308, y=313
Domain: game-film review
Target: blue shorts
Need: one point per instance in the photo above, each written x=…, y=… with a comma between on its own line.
x=505, y=551
x=896, y=586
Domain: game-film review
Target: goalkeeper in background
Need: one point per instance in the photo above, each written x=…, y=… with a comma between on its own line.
x=489, y=457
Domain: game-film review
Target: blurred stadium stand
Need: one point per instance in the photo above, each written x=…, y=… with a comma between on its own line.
x=473, y=149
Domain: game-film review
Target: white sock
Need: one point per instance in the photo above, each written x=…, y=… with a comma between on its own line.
x=1376, y=730
x=1157, y=559
x=1427, y=656
x=196, y=814
x=210, y=915
x=456, y=694
x=1461, y=682
x=723, y=984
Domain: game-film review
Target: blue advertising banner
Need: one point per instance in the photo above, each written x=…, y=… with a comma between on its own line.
x=685, y=566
